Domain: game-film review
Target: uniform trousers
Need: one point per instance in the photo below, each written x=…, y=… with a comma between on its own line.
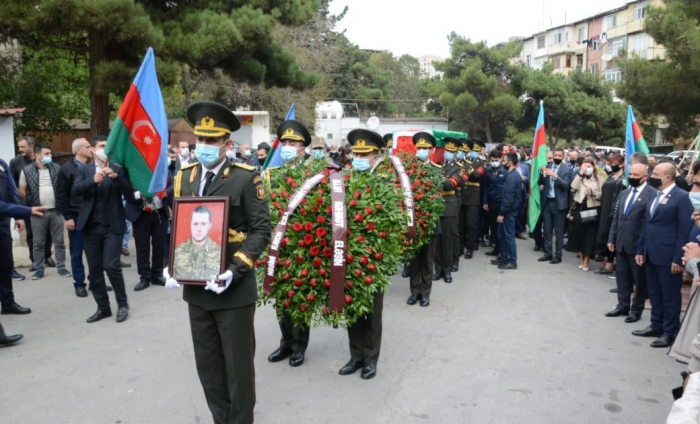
x=224, y=349
x=470, y=215
x=444, y=256
x=149, y=237
x=422, y=268
x=293, y=336
x=365, y=335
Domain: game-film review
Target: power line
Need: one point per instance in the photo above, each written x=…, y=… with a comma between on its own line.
x=389, y=101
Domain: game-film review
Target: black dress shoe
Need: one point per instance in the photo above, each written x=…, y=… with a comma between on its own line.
x=555, y=260
x=648, y=332
x=124, y=264
x=617, y=312
x=469, y=254
x=412, y=299
x=491, y=253
x=509, y=265
x=406, y=272
x=351, y=367
x=142, y=285
x=424, y=301
x=537, y=249
x=545, y=258
x=437, y=276
x=15, y=309
x=50, y=263
x=9, y=340
x=279, y=354
x=108, y=288
x=498, y=261
x=158, y=281
x=614, y=290
x=80, y=292
x=663, y=341
x=448, y=277
x=122, y=313
x=475, y=248
x=369, y=370
x=100, y=314
x=455, y=267
x=633, y=318
x=296, y=359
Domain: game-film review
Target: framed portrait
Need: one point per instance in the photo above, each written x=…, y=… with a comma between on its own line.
x=198, y=239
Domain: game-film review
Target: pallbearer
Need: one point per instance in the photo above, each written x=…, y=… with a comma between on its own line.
x=444, y=260
x=471, y=195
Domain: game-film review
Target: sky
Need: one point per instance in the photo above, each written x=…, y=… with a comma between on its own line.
x=420, y=27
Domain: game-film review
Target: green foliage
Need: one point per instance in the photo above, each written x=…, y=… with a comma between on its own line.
x=670, y=88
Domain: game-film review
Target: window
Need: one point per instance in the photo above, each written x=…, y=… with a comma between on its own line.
x=579, y=60
x=539, y=63
x=540, y=42
x=528, y=60
x=609, y=22
x=641, y=44
x=556, y=62
x=560, y=36
x=581, y=35
x=594, y=69
x=568, y=61
x=640, y=10
x=596, y=45
x=613, y=75
x=616, y=45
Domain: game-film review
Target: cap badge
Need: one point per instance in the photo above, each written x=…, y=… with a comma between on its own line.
x=207, y=122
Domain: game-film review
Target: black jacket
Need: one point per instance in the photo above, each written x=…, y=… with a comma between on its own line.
x=512, y=193
x=67, y=203
x=134, y=207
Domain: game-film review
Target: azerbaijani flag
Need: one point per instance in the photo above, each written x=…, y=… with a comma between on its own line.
x=539, y=159
x=634, y=140
x=138, y=140
x=274, y=157
x=439, y=154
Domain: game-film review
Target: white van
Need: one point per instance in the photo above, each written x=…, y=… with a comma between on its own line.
x=608, y=149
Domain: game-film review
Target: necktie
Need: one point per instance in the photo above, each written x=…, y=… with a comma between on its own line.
x=210, y=177
x=631, y=202
x=656, y=202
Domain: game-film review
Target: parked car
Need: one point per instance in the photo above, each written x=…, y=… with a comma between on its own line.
x=608, y=149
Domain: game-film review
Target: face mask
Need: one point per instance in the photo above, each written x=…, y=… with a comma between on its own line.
x=495, y=164
x=184, y=152
x=207, y=155
x=46, y=160
x=319, y=154
x=473, y=155
x=557, y=161
x=654, y=182
x=423, y=154
x=247, y=153
x=289, y=153
x=572, y=161
x=549, y=162
x=449, y=156
x=460, y=155
x=695, y=200
x=615, y=168
x=589, y=172
x=507, y=165
x=390, y=151
x=100, y=153
x=635, y=182
x=172, y=164
x=360, y=164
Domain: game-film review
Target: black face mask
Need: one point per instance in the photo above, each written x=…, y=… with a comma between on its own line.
x=557, y=161
x=635, y=182
x=654, y=182
x=172, y=164
x=615, y=168
x=572, y=161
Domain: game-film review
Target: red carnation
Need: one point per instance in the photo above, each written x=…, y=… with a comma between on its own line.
x=327, y=284
x=303, y=201
x=276, y=205
x=368, y=280
x=285, y=241
x=416, y=182
x=325, y=310
x=360, y=239
x=370, y=226
x=303, y=211
x=310, y=297
x=320, y=191
x=273, y=196
x=329, y=210
x=327, y=252
x=313, y=282
x=368, y=190
x=379, y=256
x=372, y=268
x=359, y=217
x=284, y=193
x=353, y=203
x=351, y=258
x=321, y=232
x=300, y=243
x=324, y=180
x=308, y=239
x=357, y=194
x=319, y=200
x=297, y=226
x=303, y=307
x=349, y=232
x=348, y=283
x=293, y=184
x=323, y=242
x=378, y=206
x=298, y=282
x=287, y=304
x=358, y=272
x=320, y=219
x=314, y=251
x=364, y=260
x=300, y=259
x=287, y=263
x=308, y=226
x=348, y=299
x=257, y=264
x=291, y=294
x=304, y=273
x=347, y=177
x=286, y=276
x=322, y=272
x=382, y=234
x=314, y=209
x=317, y=262
x=368, y=210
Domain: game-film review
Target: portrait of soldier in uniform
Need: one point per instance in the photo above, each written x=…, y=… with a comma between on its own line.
x=198, y=257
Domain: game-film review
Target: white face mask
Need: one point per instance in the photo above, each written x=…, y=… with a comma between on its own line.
x=184, y=152
x=100, y=153
x=589, y=171
x=495, y=164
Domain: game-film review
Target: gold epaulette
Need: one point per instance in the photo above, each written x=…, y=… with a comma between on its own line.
x=448, y=193
x=189, y=165
x=177, y=184
x=245, y=166
x=437, y=165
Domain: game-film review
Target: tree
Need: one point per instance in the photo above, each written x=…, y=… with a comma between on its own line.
x=477, y=91
x=672, y=87
x=205, y=35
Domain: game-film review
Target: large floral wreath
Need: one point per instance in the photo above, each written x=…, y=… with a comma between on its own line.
x=375, y=224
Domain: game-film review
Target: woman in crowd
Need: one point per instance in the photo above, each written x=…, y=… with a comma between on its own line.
x=612, y=187
x=585, y=212
x=344, y=158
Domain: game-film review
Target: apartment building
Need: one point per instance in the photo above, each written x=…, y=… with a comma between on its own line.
x=426, y=66
x=594, y=43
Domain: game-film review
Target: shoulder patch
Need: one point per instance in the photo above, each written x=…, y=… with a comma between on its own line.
x=260, y=192
x=245, y=166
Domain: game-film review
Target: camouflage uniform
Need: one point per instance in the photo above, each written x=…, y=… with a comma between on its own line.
x=192, y=262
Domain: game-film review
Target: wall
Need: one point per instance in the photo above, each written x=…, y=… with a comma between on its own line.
x=7, y=138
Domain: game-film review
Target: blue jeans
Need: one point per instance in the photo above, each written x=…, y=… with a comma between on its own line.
x=506, y=235
x=127, y=235
x=75, y=244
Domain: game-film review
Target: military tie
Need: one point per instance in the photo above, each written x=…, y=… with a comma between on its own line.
x=210, y=177
x=631, y=202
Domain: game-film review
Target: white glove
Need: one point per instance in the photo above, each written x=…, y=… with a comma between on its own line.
x=170, y=283
x=226, y=277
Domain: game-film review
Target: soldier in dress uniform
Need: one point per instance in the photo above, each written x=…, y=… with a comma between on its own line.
x=365, y=335
x=421, y=267
x=458, y=246
x=444, y=257
x=318, y=151
x=198, y=257
x=471, y=196
x=222, y=314
x=294, y=137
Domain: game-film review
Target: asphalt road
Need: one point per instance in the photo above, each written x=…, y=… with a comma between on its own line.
x=526, y=346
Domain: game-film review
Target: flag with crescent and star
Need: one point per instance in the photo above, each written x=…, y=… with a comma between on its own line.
x=138, y=140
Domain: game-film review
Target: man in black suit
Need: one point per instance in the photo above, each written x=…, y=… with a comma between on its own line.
x=623, y=238
x=556, y=181
x=666, y=229
x=149, y=217
x=101, y=218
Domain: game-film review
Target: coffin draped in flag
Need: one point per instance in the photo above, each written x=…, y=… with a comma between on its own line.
x=138, y=140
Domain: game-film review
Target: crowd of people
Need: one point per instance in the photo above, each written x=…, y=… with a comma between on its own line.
x=631, y=215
